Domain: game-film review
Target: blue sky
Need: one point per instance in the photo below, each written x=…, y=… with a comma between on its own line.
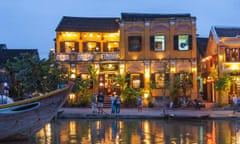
x=31, y=24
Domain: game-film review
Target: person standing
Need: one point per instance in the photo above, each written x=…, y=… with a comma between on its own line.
x=139, y=103
x=100, y=101
x=235, y=103
x=112, y=104
x=117, y=104
x=93, y=102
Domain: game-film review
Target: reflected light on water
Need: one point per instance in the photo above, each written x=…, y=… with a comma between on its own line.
x=116, y=131
x=45, y=134
x=72, y=132
x=146, y=129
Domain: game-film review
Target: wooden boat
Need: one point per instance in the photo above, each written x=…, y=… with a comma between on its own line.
x=26, y=117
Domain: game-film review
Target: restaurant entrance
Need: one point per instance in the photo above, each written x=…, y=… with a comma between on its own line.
x=106, y=84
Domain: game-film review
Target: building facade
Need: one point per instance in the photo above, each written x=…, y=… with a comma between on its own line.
x=222, y=57
x=147, y=48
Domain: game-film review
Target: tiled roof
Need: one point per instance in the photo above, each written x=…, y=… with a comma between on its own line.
x=202, y=45
x=6, y=54
x=144, y=16
x=88, y=24
x=227, y=31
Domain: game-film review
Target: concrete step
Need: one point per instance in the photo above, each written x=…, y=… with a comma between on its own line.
x=107, y=102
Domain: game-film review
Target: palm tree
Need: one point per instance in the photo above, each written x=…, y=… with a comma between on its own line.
x=223, y=85
x=93, y=76
x=120, y=82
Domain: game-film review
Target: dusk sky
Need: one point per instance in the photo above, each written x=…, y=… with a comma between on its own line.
x=31, y=24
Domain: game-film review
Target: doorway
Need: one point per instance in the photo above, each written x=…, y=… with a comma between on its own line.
x=106, y=82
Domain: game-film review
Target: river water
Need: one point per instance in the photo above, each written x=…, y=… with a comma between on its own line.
x=132, y=131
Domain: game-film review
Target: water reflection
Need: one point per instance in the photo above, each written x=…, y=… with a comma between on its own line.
x=118, y=131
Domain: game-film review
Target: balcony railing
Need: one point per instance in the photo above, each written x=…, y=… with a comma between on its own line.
x=230, y=66
x=87, y=56
x=110, y=56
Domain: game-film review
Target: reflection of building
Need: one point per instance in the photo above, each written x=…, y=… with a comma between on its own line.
x=138, y=46
x=222, y=56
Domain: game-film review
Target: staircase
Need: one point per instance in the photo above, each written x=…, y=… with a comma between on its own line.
x=107, y=102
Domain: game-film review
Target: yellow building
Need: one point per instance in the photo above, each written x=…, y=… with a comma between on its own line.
x=140, y=46
x=222, y=57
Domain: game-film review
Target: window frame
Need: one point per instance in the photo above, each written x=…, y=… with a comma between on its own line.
x=153, y=43
x=115, y=49
x=183, y=42
x=73, y=48
x=94, y=49
x=134, y=41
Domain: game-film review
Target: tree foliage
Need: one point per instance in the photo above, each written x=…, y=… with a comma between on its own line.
x=119, y=81
x=224, y=83
x=35, y=75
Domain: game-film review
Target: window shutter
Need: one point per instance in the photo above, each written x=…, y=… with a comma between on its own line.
x=129, y=43
x=62, y=46
x=152, y=43
x=105, y=46
x=142, y=81
x=175, y=42
x=76, y=46
x=140, y=45
x=85, y=48
x=98, y=44
x=190, y=42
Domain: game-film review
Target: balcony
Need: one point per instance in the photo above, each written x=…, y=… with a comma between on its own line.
x=109, y=56
x=81, y=57
x=230, y=66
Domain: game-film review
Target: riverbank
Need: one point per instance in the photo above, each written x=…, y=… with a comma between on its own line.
x=157, y=113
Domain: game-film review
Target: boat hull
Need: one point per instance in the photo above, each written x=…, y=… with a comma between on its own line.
x=29, y=116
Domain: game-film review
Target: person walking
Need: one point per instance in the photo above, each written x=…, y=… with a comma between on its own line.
x=139, y=103
x=117, y=104
x=113, y=103
x=93, y=102
x=100, y=101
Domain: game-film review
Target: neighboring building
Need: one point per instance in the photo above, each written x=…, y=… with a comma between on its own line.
x=201, y=50
x=136, y=45
x=222, y=56
x=8, y=54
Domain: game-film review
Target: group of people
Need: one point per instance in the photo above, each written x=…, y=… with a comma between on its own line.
x=115, y=103
x=97, y=102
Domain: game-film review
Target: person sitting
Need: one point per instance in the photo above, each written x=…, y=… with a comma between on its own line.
x=197, y=104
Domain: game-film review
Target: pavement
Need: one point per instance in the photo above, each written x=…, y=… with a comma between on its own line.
x=158, y=113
